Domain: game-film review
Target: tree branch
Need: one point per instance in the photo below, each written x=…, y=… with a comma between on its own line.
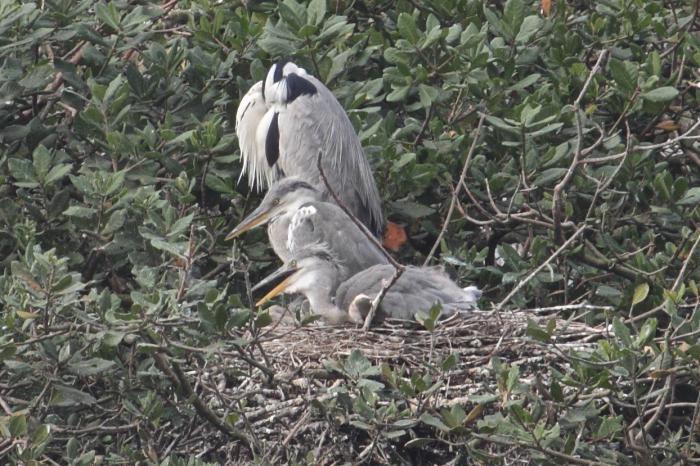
x=398, y=268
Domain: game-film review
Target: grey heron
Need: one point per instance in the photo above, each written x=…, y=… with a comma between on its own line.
x=297, y=217
x=284, y=121
x=316, y=272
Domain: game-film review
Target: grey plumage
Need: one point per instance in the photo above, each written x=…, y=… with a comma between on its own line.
x=417, y=289
x=298, y=218
x=305, y=118
x=317, y=273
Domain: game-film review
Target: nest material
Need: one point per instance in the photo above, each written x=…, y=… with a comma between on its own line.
x=474, y=338
x=283, y=414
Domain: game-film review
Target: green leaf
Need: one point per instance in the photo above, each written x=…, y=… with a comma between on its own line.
x=316, y=11
x=548, y=176
x=640, y=293
x=41, y=161
x=112, y=338
x=427, y=95
x=108, y=15
x=431, y=420
x=57, y=173
x=691, y=197
x=263, y=319
x=546, y=129
x=514, y=13
x=90, y=366
x=537, y=332
x=501, y=124
x=433, y=36
x=69, y=397
x=407, y=28
x=647, y=332
x=661, y=94
x=23, y=171
x=115, y=222
x=41, y=435
x=624, y=77
x=218, y=184
x=180, y=226
x=18, y=425
x=622, y=332
x=609, y=426
x=528, y=28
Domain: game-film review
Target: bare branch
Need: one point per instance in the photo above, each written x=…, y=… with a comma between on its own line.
x=557, y=203
x=455, y=193
x=398, y=268
x=523, y=282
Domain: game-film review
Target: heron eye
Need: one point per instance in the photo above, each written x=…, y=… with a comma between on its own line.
x=276, y=201
x=293, y=263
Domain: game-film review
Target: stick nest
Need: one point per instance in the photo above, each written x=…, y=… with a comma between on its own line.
x=281, y=408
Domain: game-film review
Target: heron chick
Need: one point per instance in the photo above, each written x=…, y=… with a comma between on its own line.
x=297, y=216
x=315, y=272
x=282, y=124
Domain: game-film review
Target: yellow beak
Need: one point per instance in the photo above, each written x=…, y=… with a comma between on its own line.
x=279, y=289
x=248, y=223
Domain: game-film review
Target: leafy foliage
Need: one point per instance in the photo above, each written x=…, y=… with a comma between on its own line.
x=118, y=182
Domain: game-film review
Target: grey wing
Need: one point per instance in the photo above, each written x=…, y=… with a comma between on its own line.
x=325, y=223
x=434, y=285
x=348, y=243
x=368, y=281
x=418, y=289
x=313, y=123
x=302, y=231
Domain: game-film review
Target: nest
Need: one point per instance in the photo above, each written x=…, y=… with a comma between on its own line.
x=473, y=337
x=280, y=402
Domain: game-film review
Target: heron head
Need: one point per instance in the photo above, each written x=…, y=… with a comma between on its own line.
x=314, y=268
x=283, y=197
x=276, y=88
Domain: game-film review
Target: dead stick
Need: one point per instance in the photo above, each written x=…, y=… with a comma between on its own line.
x=540, y=267
x=172, y=370
x=398, y=268
x=455, y=193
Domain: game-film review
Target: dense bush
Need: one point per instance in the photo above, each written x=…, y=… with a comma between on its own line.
x=560, y=152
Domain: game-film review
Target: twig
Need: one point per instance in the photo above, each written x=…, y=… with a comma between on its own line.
x=354, y=219
x=548, y=451
x=398, y=268
x=455, y=192
x=557, y=207
x=378, y=299
x=172, y=370
x=540, y=267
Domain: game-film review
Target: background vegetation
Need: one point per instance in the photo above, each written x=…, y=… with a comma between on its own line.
x=125, y=331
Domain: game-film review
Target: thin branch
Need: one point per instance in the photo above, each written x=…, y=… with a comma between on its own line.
x=557, y=202
x=523, y=282
x=378, y=299
x=172, y=370
x=455, y=193
x=398, y=268
x=354, y=219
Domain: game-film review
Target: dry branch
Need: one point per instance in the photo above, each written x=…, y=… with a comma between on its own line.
x=398, y=268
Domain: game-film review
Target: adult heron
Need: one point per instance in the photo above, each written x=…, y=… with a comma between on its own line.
x=317, y=272
x=297, y=216
x=284, y=121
